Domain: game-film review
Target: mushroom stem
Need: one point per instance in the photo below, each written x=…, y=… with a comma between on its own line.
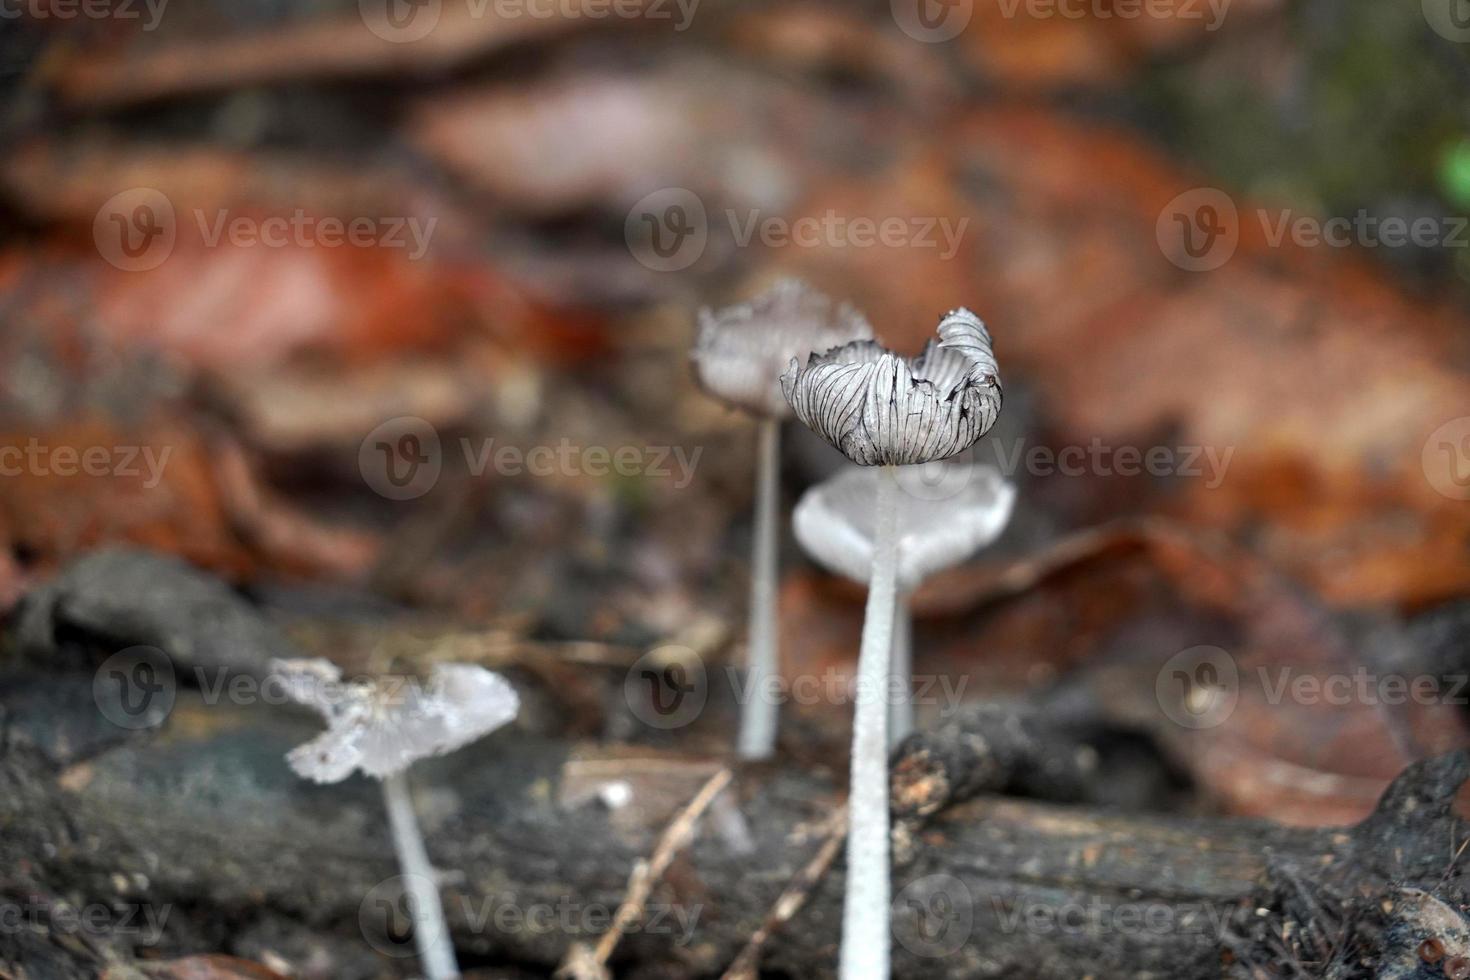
x=865, y=914
x=758, y=713
x=901, y=708
x=430, y=931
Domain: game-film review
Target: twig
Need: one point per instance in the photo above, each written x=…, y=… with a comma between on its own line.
x=578, y=963
x=747, y=962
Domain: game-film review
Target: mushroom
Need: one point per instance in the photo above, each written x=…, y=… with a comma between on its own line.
x=381, y=729
x=738, y=357
x=880, y=409
x=834, y=521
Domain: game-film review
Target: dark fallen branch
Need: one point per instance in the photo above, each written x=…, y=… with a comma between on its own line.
x=203, y=819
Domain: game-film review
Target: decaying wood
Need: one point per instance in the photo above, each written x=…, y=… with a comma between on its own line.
x=205, y=818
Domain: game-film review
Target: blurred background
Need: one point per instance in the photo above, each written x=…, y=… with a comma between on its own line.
x=379, y=314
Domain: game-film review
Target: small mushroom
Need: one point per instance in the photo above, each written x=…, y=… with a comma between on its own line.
x=381, y=729
x=880, y=409
x=738, y=357
x=834, y=521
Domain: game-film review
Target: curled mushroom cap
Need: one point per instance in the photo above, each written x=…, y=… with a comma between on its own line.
x=741, y=350
x=834, y=521
x=878, y=408
x=382, y=727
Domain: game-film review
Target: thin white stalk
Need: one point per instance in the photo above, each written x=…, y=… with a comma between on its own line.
x=758, y=713
x=865, y=914
x=430, y=931
x=901, y=708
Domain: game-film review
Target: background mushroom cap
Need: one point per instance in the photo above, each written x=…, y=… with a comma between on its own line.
x=878, y=408
x=383, y=727
x=741, y=350
x=834, y=521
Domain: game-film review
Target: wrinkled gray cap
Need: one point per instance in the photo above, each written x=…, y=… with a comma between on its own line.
x=383, y=727
x=834, y=521
x=878, y=408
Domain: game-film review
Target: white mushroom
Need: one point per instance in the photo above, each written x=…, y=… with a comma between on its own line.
x=835, y=521
x=880, y=409
x=738, y=357
x=381, y=728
